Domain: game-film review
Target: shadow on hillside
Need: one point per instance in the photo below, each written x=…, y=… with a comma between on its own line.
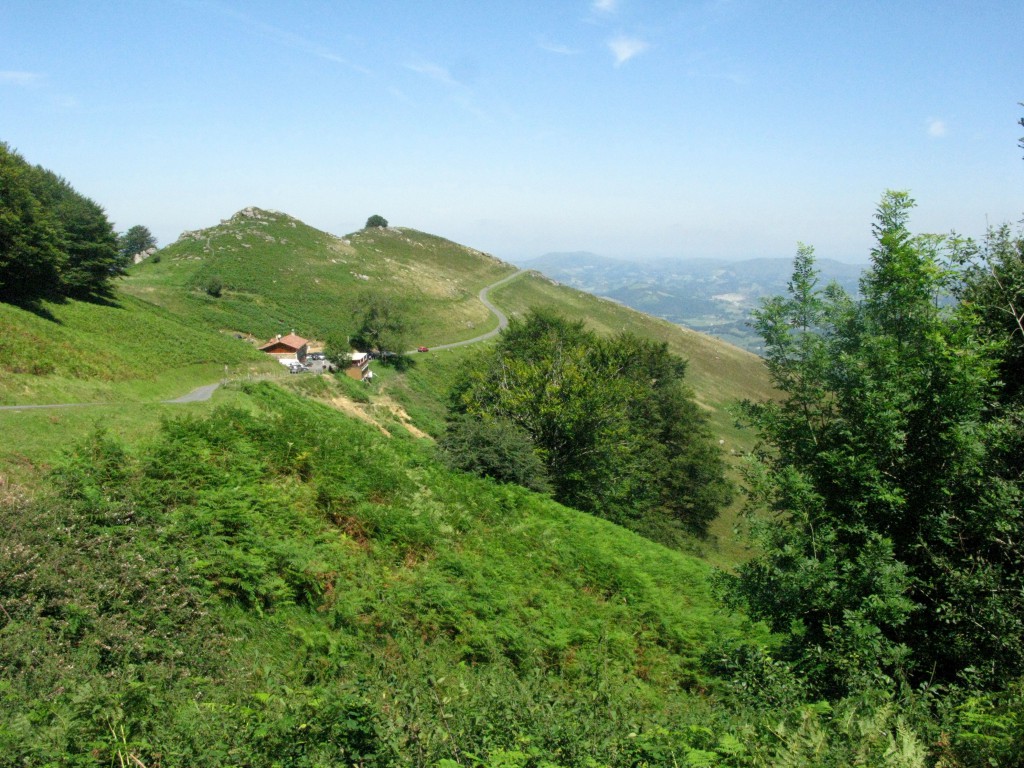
x=105, y=298
x=395, y=360
x=38, y=305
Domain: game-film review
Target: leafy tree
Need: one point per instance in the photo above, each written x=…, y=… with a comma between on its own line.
x=1021, y=124
x=337, y=349
x=610, y=418
x=376, y=221
x=890, y=542
x=57, y=242
x=381, y=327
x=493, y=448
x=30, y=254
x=134, y=241
x=993, y=288
x=91, y=247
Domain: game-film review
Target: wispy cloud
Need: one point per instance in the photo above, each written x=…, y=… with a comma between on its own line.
x=288, y=39
x=460, y=90
x=399, y=94
x=604, y=6
x=23, y=79
x=936, y=128
x=558, y=48
x=305, y=45
x=434, y=71
x=626, y=48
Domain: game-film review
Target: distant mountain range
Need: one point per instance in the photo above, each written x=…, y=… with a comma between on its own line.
x=712, y=296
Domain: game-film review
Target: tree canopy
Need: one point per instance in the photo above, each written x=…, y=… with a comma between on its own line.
x=891, y=543
x=376, y=221
x=30, y=252
x=611, y=420
x=381, y=326
x=133, y=242
x=56, y=242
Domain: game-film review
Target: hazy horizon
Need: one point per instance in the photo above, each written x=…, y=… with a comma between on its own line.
x=720, y=129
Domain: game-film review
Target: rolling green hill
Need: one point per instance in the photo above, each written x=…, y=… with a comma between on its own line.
x=286, y=575
x=279, y=274
x=165, y=334
x=126, y=350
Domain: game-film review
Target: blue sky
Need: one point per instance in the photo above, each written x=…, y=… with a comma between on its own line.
x=628, y=128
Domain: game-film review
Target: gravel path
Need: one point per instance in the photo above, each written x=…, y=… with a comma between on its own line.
x=56, y=405
x=197, y=395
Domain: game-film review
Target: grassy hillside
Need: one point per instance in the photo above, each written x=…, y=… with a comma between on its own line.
x=285, y=585
x=720, y=374
x=279, y=274
x=165, y=334
x=269, y=580
x=124, y=351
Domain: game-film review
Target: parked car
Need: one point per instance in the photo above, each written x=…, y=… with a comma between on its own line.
x=422, y=349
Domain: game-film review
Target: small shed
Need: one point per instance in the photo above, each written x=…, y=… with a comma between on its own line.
x=359, y=366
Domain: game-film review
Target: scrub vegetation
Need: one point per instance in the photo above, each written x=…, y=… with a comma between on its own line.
x=288, y=585
x=298, y=574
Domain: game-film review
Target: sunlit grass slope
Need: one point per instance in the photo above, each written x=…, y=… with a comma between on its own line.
x=284, y=585
x=278, y=274
x=117, y=361
x=124, y=351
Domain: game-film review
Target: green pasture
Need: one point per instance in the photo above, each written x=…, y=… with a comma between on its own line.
x=124, y=351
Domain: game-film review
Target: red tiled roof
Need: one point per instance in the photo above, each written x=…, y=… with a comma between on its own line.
x=291, y=340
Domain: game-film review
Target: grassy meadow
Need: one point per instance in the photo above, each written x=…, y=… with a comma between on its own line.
x=124, y=351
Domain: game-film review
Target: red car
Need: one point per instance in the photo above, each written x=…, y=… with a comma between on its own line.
x=422, y=349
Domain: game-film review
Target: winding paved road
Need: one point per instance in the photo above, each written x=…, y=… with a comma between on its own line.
x=205, y=392
x=197, y=395
x=502, y=317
